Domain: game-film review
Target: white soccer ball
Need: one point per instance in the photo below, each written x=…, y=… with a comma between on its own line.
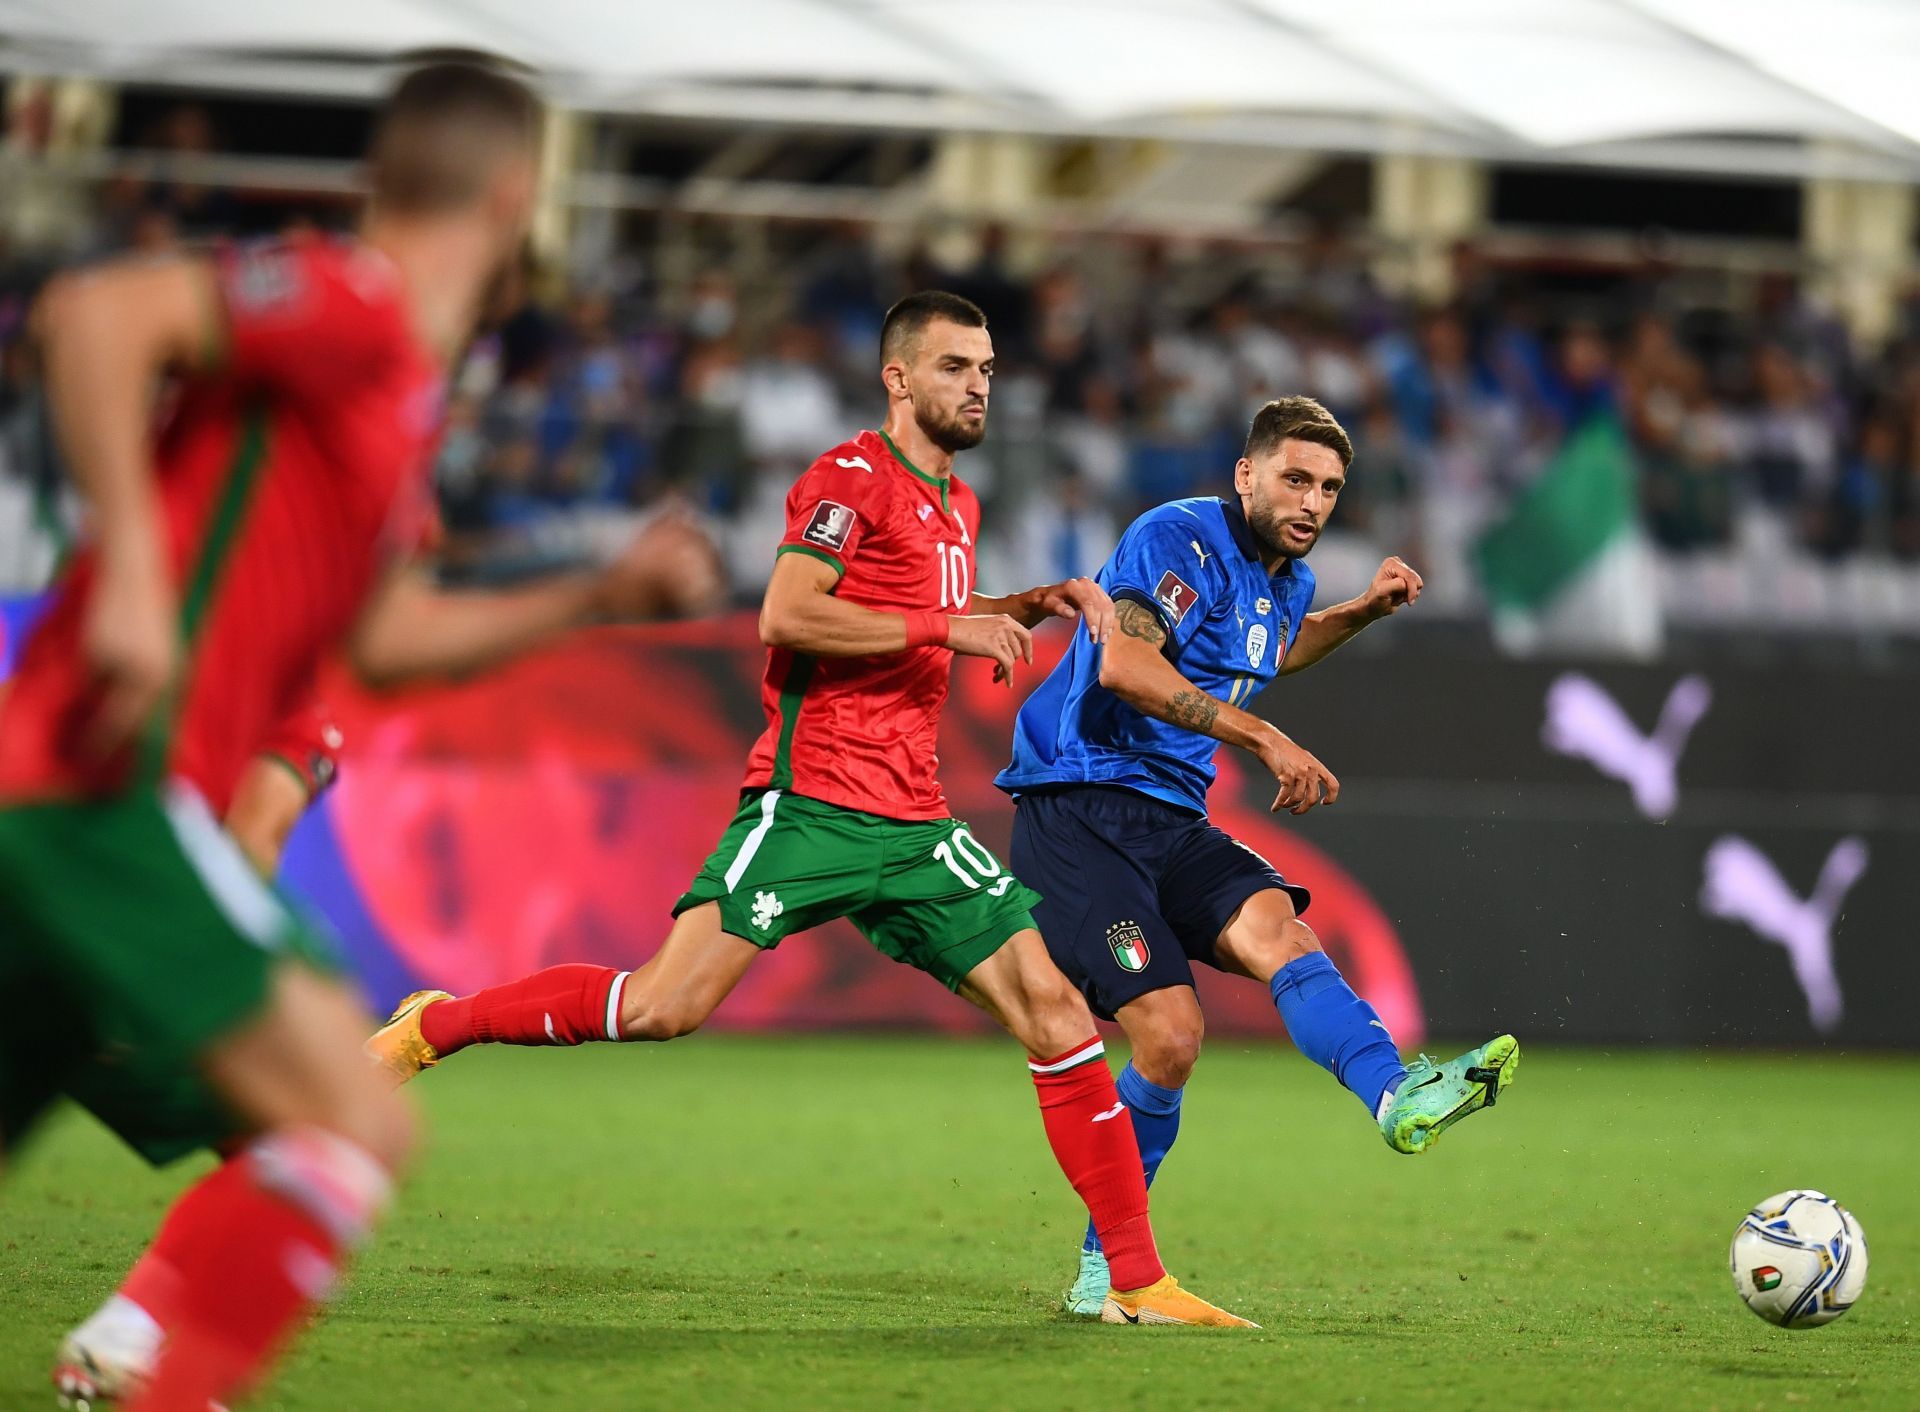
x=1799, y=1259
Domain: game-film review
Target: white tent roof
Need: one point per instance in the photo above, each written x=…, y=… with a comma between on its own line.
x=1763, y=85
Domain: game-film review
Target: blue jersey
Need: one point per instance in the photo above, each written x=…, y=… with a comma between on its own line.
x=1229, y=624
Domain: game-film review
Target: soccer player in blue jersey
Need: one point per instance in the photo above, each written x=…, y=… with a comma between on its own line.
x=1112, y=760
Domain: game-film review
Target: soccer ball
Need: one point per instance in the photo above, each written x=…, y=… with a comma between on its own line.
x=1799, y=1259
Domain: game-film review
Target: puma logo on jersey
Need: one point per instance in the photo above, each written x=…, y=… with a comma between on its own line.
x=832, y=522
x=849, y=462
x=1204, y=556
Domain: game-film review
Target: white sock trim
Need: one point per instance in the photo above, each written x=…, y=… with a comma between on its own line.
x=1073, y=1059
x=123, y=1329
x=613, y=1004
x=334, y=1180
x=1386, y=1102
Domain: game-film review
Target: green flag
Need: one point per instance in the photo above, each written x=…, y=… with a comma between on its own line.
x=1581, y=503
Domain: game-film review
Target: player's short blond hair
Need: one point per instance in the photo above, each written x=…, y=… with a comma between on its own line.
x=445, y=130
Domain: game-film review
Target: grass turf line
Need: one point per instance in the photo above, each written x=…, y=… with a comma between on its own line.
x=738, y=1223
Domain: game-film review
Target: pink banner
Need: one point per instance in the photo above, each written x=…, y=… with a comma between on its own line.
x=553, y=812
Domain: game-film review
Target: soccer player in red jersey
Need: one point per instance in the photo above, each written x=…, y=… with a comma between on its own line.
x=258, y=530
x=841, y=813
x=113, y=1351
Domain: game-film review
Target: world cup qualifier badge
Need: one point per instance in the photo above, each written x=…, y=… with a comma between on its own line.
x=832, y=522
x=1175, y=595
x=1129, y=946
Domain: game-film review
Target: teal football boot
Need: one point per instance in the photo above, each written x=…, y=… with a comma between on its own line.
x=1089, y=1293
x=1434, y=1097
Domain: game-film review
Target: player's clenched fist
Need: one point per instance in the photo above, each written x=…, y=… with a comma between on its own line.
x=1394, y=586
x=992, y=635
x=130, y=641
x=670, y=569
x=1304, y=781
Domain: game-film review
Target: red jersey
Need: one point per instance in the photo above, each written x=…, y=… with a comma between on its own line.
x=308, y=743
x=288, y=478
x=861, y=732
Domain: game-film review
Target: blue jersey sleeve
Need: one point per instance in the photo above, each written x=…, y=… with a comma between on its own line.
x=1167, y=564
x=1299, y=602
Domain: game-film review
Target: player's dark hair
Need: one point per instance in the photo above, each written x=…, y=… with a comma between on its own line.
x=443, y=130
x=908, y=319
x=1296, y=419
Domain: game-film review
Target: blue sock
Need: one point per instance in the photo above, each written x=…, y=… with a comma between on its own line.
x=1156, y=1123
x=1336, y=1028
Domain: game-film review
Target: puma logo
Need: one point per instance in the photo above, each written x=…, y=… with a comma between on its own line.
x=1742, y=885
x=1586, y=723
x=1204, y=556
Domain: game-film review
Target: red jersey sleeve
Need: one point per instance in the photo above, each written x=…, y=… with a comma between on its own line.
x=308, y=743
x=833, y=506
x=311, y=318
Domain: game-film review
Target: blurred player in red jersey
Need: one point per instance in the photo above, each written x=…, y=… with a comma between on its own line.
x=842, y=814
x=262, y=527
x=112, y=1353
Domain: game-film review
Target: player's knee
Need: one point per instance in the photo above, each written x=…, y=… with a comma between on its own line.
x=1168, y=1060
x=1265, y=935
x=385, y=1125
x=657, y=1017
x=1296, y=940
x=1057, y=1015
x=1166, y=1047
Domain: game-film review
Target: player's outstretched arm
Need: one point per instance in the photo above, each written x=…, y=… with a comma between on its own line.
x=1135, y=669
x=1080, y=598
x=801, y=614
x=108, y=335
x=1395, y=585
x=411, y=629
x=267, y=803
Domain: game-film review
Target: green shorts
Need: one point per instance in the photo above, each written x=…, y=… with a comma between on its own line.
x=928, y=894
x=133, y=935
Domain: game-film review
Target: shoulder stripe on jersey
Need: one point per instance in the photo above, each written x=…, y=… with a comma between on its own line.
x=793, y=694
x=236, y=492
x=812, y=553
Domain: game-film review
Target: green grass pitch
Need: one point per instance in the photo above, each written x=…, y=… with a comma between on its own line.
x=861, y=1222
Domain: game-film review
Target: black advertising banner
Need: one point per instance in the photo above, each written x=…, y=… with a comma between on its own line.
x=1606, y=854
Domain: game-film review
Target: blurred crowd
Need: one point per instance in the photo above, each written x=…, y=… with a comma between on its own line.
x=1128, y=370
x=1130, y=383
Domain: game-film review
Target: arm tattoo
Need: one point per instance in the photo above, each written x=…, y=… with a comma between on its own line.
x=1193, y=709
x=1137, y=620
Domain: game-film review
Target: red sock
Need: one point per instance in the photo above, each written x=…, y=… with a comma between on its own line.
x=256, y=1245
x=572, y=1004
x=154, y=1281
x=1092, y=1137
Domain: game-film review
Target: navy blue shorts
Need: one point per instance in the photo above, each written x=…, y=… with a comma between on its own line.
x=1134, y=890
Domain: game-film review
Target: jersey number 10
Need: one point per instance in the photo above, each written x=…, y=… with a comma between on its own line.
x=955, y=591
